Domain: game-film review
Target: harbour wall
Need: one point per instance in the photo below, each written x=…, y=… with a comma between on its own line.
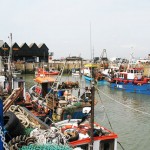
x=31, y=67
x=27, y=67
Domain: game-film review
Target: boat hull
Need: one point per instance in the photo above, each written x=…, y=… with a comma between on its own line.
x=133, y=88
x=99, y=82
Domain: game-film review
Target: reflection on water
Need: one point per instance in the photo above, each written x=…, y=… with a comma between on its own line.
x=128, y=113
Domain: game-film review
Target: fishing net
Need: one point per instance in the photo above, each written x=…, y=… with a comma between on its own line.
x=46, y=147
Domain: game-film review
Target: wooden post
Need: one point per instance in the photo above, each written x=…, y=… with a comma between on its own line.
x=92, y=117
x=1, y=123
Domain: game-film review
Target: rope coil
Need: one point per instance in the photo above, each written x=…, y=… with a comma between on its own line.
x=22, y=116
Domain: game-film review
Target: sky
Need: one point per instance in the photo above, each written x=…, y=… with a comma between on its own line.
x=79, y=27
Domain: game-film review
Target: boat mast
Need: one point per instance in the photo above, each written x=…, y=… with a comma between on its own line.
x=92, y=93
x=91, y=43
x=9, y=66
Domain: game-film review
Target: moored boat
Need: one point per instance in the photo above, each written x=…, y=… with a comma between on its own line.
x=75, y=72
x=132, y=80
x=42, y=72
x=60, y=102
x=91, y=69
x=78, y=135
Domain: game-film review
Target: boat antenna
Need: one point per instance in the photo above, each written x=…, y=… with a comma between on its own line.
x=130, y=61
x=93, y=52
x=91, y=42
x=9, y=65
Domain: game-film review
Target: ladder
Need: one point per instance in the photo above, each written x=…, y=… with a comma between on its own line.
x=58, y=79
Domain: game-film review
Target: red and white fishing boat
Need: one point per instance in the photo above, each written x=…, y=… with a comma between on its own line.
x=42, y=72
x=132, y=80
x=78, y=134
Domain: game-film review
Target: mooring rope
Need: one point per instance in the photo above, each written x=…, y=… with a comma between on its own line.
x=146, y=113
x=108, y=117
x=105, y=110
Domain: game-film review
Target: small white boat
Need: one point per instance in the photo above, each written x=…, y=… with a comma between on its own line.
x=75, y=72
x=16, y=72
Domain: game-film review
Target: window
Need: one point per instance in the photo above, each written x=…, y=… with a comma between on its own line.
x=132, y=71
x=128, y=71
x=106, y=145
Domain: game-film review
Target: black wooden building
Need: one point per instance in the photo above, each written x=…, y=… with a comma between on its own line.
x=24, y=52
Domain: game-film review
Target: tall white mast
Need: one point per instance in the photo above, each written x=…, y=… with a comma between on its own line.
x=10, y=55
x=91, y=42
x=9, y=65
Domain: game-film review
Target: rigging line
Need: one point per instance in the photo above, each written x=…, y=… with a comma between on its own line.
x=104, y=109
x=120, y=145
x=104, y=117
x=107, y=117
x=124, y=104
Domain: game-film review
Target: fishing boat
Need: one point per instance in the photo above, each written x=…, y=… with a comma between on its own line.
x=87, y=71
x=9, y=82
x=132, y=80
x=58, y=100
x=16, y=72
x=98, y=76
x=75, y=72
x=78, y=134
x=42, y=72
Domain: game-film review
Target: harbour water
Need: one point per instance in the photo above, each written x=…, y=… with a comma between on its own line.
x=127, y=114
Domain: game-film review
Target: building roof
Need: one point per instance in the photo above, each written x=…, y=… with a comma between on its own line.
x=23, y=45
x=31, y=45
x=15, y=46
x=40, y=45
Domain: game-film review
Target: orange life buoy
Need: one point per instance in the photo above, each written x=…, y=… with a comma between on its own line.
x=38, y=90
x=65, y=127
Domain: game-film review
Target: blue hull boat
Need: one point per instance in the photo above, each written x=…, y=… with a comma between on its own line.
x=131, y=87
x=99, y=82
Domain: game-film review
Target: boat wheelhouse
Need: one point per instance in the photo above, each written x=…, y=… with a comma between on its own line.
x=87, y=69
x=131, y=74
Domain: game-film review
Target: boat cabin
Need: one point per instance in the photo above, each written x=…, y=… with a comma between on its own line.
x=131, y=74
x=87, y=69
x=17, y=82
x=46, y=83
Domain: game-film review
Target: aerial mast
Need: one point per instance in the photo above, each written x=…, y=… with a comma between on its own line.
x=91, y=43
x=9, y=66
